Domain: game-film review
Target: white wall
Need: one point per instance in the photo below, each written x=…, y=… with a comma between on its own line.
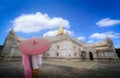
x=66, y=49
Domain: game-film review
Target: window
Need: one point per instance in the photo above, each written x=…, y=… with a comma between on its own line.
x=83, y=55
x=57, y=54
x=58, y=47
x=75, y=54
x=47, y=54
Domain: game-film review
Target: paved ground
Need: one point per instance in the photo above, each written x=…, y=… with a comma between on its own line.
x=81, y=64
x=65, y=70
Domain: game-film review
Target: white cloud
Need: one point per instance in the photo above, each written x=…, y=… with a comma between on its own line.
x=107, y=22
x=81, y=38
x=117, y=45
x=54, y=33
x=103, y=35
x=50, y=33
x=90, y=41
x=29, y=23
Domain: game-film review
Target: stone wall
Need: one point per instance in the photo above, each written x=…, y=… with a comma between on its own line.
x=1, y=48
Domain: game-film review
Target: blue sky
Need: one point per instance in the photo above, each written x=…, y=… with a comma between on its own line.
x=89, y=20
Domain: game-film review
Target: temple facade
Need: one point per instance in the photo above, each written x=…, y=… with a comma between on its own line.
x=64, y=48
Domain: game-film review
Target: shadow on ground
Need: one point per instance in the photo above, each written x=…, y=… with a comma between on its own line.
x=100, y=70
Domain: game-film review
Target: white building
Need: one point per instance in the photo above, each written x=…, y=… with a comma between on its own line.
x=64, y=48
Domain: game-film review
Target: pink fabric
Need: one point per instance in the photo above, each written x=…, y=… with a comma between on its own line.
x=27, y=68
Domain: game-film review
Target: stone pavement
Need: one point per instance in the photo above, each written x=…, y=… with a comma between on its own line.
x=76, y=64
x=54, y=69
x=11, y=70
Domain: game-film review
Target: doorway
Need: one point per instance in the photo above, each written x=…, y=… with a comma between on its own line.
x=91, y=56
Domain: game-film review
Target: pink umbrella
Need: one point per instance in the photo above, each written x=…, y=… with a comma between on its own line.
x=33, y=46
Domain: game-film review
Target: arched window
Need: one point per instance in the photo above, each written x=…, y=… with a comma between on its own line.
x=75, y=54
x=58, y=47
x=57, y=54
x=83, y=55
x=47, y=54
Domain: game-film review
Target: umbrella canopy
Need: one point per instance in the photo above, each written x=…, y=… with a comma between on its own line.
x=34, y=46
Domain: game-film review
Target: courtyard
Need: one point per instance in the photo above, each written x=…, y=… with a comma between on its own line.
x=55, y=69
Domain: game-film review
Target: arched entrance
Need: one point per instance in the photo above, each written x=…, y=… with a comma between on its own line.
x=91, y=56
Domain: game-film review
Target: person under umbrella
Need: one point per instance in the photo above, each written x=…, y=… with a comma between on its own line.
x=31, y=50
